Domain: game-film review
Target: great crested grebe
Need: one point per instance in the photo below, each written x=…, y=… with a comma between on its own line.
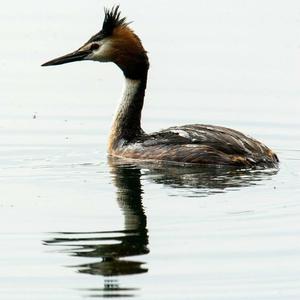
x=197, y=144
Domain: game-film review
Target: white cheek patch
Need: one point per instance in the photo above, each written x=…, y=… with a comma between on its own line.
x=103, y=53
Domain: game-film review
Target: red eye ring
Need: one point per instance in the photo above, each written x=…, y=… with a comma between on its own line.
x=94, y=46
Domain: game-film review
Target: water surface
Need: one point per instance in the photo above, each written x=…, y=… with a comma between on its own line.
x=75, y=224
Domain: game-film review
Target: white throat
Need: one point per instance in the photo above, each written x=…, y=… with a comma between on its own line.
x=130, y=90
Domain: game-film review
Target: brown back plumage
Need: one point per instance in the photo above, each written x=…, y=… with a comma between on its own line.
x=201, y=144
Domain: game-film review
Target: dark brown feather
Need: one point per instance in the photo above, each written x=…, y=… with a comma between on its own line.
x=200, y=144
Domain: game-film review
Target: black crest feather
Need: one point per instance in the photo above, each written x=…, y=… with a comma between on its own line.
x=112, y=20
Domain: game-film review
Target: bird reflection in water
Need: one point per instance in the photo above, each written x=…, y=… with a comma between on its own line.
x=200, y=181
x=115, y=247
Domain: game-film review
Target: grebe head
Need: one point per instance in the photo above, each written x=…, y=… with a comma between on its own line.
x=115, y=42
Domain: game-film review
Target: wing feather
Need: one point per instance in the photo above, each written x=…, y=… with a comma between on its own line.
x=202, y=144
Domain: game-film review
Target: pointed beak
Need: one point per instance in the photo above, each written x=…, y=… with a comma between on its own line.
x=74, y=56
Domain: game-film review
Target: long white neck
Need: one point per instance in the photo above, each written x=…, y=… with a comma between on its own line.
x=127, y=120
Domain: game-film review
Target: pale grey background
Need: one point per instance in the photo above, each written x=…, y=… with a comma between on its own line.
x=232, y=63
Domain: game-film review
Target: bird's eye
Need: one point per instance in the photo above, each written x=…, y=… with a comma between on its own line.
x=94, y=47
